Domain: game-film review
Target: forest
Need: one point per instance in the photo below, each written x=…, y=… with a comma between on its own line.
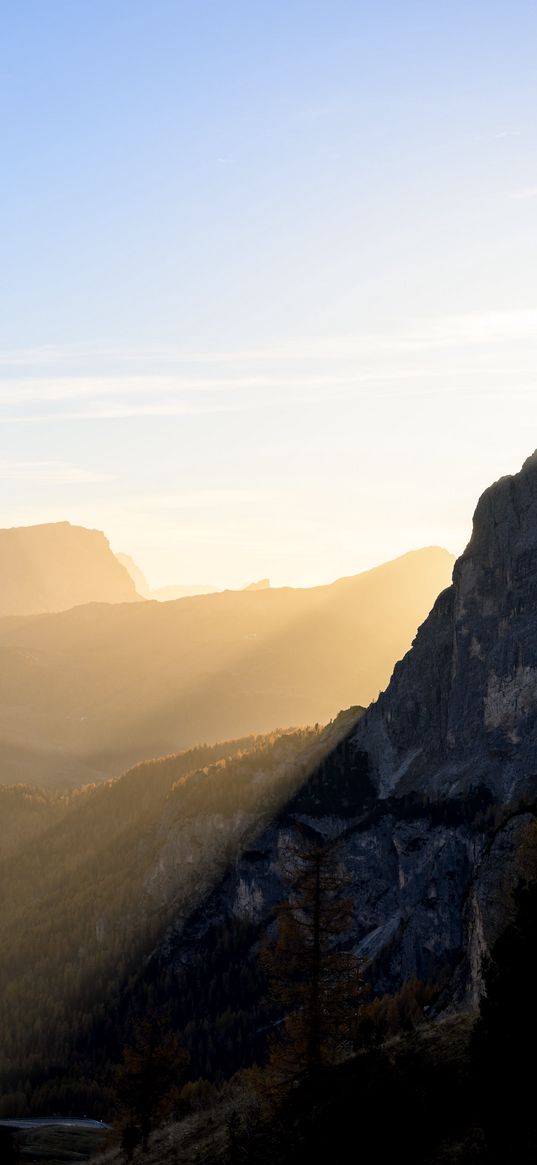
x=93, y=880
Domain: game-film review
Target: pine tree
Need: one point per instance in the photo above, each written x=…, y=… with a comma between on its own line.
x=314, y=977
x=149, y=1080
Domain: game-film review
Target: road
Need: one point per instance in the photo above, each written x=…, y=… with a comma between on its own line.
x=46, y=1122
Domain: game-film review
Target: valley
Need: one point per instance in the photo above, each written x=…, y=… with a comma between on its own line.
x=88, y=692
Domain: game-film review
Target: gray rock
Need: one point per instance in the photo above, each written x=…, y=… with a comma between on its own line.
x=461, y=707
x=429, y=836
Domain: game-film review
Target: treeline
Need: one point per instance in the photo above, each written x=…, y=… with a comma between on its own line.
x=88, y=893
x=382, y=1076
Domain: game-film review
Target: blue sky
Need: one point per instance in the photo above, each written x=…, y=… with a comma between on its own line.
x=269, y=284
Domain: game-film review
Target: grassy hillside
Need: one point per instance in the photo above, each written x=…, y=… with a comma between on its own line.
x=88, y=692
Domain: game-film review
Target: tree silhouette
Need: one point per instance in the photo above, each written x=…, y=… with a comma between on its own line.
x=505, y=1036
x=314, y=977
x=9, y=1152
x=149, y=1081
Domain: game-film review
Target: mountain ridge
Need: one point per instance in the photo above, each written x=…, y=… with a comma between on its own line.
x=56, y=566
x=475, y=703
x=163, y=594
x=89, y=691
x=429, y=851
x=430, y=843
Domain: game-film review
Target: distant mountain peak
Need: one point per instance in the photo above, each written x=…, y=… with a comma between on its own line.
x=55, y=566
x=164, y=594
x=262, y=585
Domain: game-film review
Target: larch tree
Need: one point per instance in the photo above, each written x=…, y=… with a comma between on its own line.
x=149, y=1081
x=315, y=979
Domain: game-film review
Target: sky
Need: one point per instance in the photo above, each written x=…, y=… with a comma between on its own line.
x=268, y=293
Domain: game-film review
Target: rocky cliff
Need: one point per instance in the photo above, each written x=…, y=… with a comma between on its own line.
x=57, y=566
x=430, y=793
x=461, y=708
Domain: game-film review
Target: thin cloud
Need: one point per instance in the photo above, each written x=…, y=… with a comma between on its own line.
x=427, y=333
x=333, y=367
x=207, y=499
x=51, y=471
x=103, y=388
x=525, y=193
x=122, y=412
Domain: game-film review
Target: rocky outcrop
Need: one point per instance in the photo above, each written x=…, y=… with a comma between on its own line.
x=461, y=708
x=430, y=793
x=430, y=880
x=57, y=566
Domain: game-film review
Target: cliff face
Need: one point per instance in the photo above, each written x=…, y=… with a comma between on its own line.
x=461, y=708
x=442, y=772
x=429, y=882
x=57, y=566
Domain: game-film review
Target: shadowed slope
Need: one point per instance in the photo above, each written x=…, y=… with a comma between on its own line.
x=92, y=881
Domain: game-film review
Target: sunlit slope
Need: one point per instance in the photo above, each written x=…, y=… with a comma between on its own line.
x=57, y=566
x=87, y=692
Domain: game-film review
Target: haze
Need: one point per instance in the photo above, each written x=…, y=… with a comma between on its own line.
x=271, y=305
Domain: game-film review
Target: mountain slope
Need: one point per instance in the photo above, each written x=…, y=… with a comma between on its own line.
x=85, y=693
x=428, y=832
x=428, y=796
x=450, y=755
x=57, y=566
x=92, y=881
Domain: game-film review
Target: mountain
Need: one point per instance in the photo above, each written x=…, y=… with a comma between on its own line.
x=461, y=708
x=58, y=566
x=99, y=875
x=90, y=691
x=162, y=594
x=448, y=766
x=262, y=585
x=151, y=894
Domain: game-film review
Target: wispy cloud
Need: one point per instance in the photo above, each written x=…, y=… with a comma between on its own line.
x=67, y=388
x=524, y=193
x=408, y=359
x=205, y=499
x=121, y=412
x=118, y=412
x=48, y=471
x=425, y=333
